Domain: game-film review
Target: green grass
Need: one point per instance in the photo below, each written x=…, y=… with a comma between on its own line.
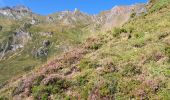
x=24, y=60
x=159, y=4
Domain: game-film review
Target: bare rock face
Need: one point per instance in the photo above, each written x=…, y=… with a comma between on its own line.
x=118, y=15
x=71, y=17
x=115, y=17
x=21, y=8
x=21, y=37
x=16, y=41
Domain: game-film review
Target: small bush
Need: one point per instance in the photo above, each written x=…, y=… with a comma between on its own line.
x=130, y=29
x=86, y=63
x=133, y=15
x=0, y=28
x=38, y=80
x=4, y=98
x=81, y=81
x=26, y=26
x=109, y=88
x=167, y=51
x=139, y=35
x=41, y=92
x=95, y=46
x=118, y=31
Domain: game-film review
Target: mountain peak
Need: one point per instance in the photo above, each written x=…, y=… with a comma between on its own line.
x=16, y=8
x=16, y=12
x=76, y=10
x=21, y=8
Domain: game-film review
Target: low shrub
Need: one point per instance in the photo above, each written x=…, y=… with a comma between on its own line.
x=41, y=92
x=95, y=46
x=133, y=15
x=3, y=98
x=82, y=80
x=131, y=70
x=86, y=63
x=118, y=31
x=167, y=51
x=0, y=28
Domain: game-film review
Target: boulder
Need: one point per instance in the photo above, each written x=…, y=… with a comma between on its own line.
x=46, y=43
x=41, y=52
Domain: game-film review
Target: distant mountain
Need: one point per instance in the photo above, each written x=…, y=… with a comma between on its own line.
x=111, y=18
x=17, y=12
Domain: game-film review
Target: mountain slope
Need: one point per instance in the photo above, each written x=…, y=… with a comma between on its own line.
x=130, y=62
x=28, y=40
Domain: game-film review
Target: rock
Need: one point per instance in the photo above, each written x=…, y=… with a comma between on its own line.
x=46, y=43
x=21, y=37
x=34, y=21
x=50, y=19
x=41, y=52
x=48, y=34
x=16, y=46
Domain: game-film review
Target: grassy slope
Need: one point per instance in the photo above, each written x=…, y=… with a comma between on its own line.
x=23, y=61
x=127, y=63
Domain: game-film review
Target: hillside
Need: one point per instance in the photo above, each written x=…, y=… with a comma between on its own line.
x=131, y=61
x=28, y=40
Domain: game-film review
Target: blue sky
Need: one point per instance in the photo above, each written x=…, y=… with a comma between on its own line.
x=45, y=7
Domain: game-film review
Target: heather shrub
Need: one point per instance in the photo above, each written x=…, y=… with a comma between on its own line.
x=41, y=92
x=131, y=70
x=109, y=88
x=52, y=87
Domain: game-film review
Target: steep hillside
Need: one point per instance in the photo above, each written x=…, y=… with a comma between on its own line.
x=28, y=40
x=130, y=62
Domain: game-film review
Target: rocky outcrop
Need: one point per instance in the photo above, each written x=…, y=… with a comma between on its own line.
x=16, y=41
x=71, y=17
x=41, y=52
x=118, y=15
x=21, y=37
